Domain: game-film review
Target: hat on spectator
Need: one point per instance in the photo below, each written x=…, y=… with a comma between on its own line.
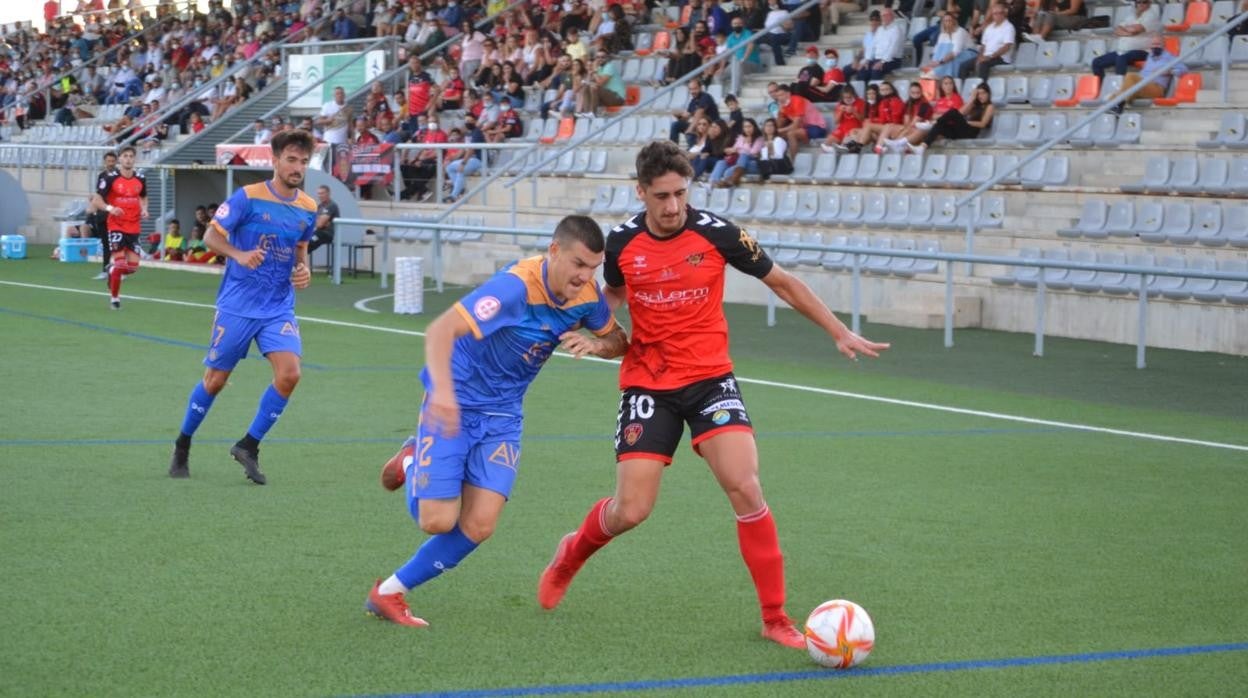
x=812, y=50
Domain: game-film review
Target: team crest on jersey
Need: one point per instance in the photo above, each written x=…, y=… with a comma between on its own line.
x=694, y=259
x=486, y=308
x=289, y=329
x=751, y=245
x=632, y=432
x=222, y=211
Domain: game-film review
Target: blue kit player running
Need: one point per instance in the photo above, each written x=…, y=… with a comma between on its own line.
x=480, y=357
x=263, y=231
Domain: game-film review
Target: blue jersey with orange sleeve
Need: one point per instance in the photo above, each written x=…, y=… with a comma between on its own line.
x=257, y=217
x=516, y=323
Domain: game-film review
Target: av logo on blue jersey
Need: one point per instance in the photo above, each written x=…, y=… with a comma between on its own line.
x=506, y=455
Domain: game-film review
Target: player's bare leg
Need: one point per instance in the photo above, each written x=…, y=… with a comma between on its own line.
x=286, y=372
x=733, y=458
x=197, y=408
x=456, y=527
x=636, y=490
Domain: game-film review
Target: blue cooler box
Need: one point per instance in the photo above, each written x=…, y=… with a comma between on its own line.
x=12, y=247
x=77, y=250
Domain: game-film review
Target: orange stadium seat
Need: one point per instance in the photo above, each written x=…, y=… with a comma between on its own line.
x=1088, y=87
x=1197, y=13
x=1189, y=85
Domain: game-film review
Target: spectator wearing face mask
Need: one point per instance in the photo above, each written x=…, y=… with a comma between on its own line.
x=1156, y=78
x=750, y=60
x=424, y=166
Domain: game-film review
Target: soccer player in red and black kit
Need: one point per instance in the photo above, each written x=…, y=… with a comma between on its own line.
x=123, y=194
x=668, y=265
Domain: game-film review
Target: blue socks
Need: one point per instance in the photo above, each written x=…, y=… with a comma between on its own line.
x=438, y=554
x=196, y=409
x=271, y=405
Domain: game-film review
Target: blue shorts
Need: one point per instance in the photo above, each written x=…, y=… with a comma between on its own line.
x=485, y=454
x=816, y=132
x=232, y=335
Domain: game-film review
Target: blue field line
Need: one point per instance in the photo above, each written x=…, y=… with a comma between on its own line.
x=826, y=674
x=533, y=438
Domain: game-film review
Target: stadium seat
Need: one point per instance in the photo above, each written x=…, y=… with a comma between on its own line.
x=719, y=202
x=1086, y=88
x=786, y=208
x=1025, y=57
x=968, y=88
x=944, y=213
x=991, y=212
x=1156, y=175
x=1177, y=225
x=621, y=200
x=764, y=205
x=1101, y=129
x=1169, y=286
x=626, y=132
x=1208, y=225
x=981, y=169
x=1130, y=127
x=890, y=168
x=868, y=168
x=1091, y=223
x=1054, y=278
x=1231, y=291
x=927, y=266
x=534, y=130
x=934, y=169
x=825, y=168
x=997, y=85
x=1082, y=279
x=1040, y=91
x=958, y=170
x=1003, y=131
x=788, y=256
x=1113, y=282
x=1198, y=12
x=875, y=208
x=699, y=197
x=1109, y=86
x=1235, y=225
x=878, y=263
x=741, y=203
x=1030, y=130
x=1202, y=286
x=920, y=213
x=1184, y=93
x=911, y=171
x=811, y=258
x=898, y=210
x=1183, y=175
x=1212, y=179
x=1149, y=218
x=1015, y=88
x=829, y=207
x=597, y=162
x=1016, y=274
x=1172, y=14
x=807, y=212
x=1070, y=55
x=851, y=208
x=1121, y=219
x=1230, y=133
x=1056, y=173
x=803, y=165
x=1214, y=52
x=902, y=266
x=846, y=168
x=643, y=43
x=1047, y=57
x=833, y=260
x=1239, y=49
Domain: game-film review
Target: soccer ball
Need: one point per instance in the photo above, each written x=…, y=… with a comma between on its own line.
x=839, y=634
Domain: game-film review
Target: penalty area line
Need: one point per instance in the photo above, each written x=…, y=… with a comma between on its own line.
x=1148, y=436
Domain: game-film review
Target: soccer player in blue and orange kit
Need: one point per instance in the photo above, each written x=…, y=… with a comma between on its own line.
x=668, y=264
x=263, y=232
x=480, y=357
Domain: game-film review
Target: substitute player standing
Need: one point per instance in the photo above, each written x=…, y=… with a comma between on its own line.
x=263, y=232
x=668, y=265
x=122, y=193
x=481, y=355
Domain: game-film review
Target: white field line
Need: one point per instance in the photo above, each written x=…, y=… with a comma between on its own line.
x=753, y=381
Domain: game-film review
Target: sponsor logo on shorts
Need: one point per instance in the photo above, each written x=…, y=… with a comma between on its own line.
x=632, y=433
x=486, y=308
x=724, y=405
x=506, y=455
x=721, y=417
x=213, y=355
x=289, y=328
x=728, y=386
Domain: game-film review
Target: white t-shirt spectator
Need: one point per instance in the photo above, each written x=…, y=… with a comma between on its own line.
x=888, y=43
x=1151, y=19
x=995, y=37
x=775, y=21
x=335, y=134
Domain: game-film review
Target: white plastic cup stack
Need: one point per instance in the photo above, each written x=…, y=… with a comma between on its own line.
x=409, y=286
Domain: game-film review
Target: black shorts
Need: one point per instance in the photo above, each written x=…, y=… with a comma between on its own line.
x=651, y=422
x=122, y=242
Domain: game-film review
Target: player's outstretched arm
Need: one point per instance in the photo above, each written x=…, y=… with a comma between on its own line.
x=797, y=294
x=217, y=242
x=608, y=346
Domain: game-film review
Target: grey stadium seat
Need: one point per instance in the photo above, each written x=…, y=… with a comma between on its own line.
x=1121, y=220
x=835, y=261
x=874, y=209
x=811, y=258
x=764, y=205
x=1156, y=175
x=807, y=212
x=920, y=214
x=1230, y=291
x=1230, y=133
x=787, y=257
x=1202, y=286
x=1091, y=223
x=1114, y=282
x=1020, y=274
x=741, y=203
x=1082, y=279
x=1213, y=173
x=1208, y=225
x=829, y=207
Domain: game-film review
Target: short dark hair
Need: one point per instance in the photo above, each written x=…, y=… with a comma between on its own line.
x=582, y=229
x=126, y=149
x=660, y=157
x=108, y=154
x=297, y=138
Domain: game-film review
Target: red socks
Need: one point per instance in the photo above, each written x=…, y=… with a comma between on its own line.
x=760, y=547
x=121, y=268
x=591, y=536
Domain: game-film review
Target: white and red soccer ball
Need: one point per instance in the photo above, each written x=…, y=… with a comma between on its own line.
x=839, y=634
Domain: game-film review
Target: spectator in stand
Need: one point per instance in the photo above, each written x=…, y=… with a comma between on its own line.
x=778, y=32
x=947, y=97
x=422, y=94
x=469, y=160
x=800, y=121
x=559, y=80
x=861, y=63
x=870, y=111
x=748, y=56
x=472, y=48
x=451, y=92
x=335, y=118
x=850, y=113
x=967, y=122
x=774, y=157
x=951, y=42
x=918, y=117
x=996, y=45
x=717, y=141
x=682, y=58
x=508, y=125
x=1133, y=40
x=1069, y=15
x=603, y=87
x=260, y=133
x=740, y=159
x=888, y=111
x=175, y=245
x=701, y=141
x=326, y=212
x=537, y=59
x=195, y=123
x=701, y=106
x=736, y=118
x=887, y=47
x=363, y=132
x=197, y=251
x=344, y=27
x=424, y=166
x=1156, y=78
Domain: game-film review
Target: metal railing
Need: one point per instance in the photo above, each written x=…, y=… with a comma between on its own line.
x=856, y=256
x=1123, y=98
x=440, y=170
